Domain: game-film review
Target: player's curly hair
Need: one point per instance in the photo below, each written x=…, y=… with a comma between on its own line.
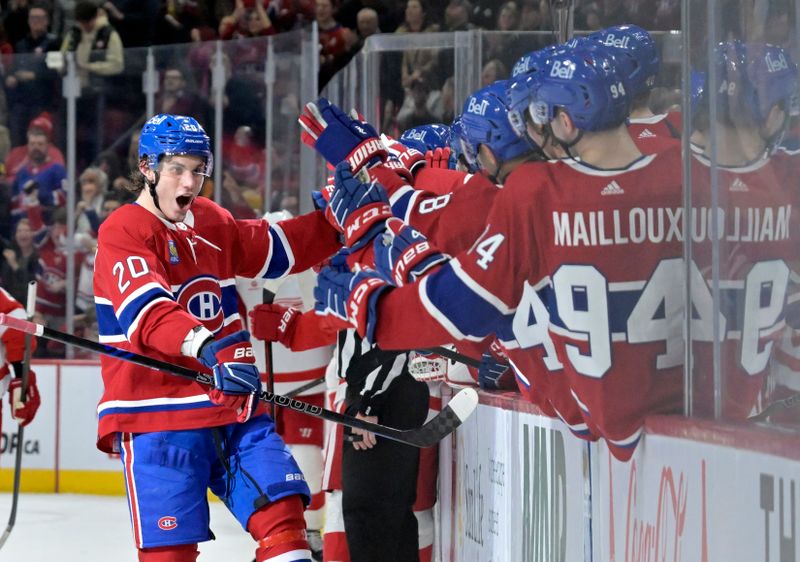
x=137, y=181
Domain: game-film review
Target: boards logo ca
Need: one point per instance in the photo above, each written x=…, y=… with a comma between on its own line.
x=167, y=523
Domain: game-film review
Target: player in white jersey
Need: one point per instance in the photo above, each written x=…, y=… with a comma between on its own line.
x=291, y=370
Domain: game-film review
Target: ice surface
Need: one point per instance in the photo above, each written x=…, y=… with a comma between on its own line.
x=72, y=527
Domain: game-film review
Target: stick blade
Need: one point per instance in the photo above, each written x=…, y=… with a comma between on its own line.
x=453, y=415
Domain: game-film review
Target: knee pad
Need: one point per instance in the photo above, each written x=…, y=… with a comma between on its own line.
x=280, y=529
x=176, y=553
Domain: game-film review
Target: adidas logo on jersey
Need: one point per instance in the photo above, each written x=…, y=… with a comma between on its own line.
x=647, y=134
x=612, y=189
x=738, y=185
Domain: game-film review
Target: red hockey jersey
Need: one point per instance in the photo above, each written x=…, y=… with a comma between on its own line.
x=571, y=273
x=12, y=342
x=156, y=280
x=758, y=260
x=656, y=133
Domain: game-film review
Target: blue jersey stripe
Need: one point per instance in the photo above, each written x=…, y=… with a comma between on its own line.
x=136, y=410
x=127, y=316
x=107, y=323
x=279, y=259
x=464, y=308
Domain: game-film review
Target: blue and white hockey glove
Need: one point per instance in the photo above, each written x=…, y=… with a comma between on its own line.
x=403, y=254
x=350, y=297
x=359, y=209
x=236, y=377
x=494, y=372
x=338, y=136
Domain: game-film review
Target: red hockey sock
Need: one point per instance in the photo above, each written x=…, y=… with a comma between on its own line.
x=176, y=553
x=279, y=528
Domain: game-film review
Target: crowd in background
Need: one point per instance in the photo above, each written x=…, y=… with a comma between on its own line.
x=103, y=37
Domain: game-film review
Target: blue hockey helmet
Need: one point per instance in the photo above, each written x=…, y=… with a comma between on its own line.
x=426, y=137
x=529, y=62
x=636, y=54
x=456, y=149
x=484, y=120
x=172, y=135
x=752, y=78
x=584, y=83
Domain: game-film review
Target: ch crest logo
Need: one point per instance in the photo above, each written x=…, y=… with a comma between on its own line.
x=168, y=523
x=202, y=298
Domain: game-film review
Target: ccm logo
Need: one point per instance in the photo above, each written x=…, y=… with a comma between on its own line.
x=167, y=523
x=242, y=352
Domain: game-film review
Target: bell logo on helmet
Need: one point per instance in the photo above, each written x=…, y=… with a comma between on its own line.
x=158, y=119
x=612, y=40
x=477, y=108
x=776, y=63
x=415, y=135
x=563, y=70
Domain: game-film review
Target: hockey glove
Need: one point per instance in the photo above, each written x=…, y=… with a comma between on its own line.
x=272, y=322
x=405, y=161
x=236, y=378
x=351, y=298
x=440, y=158
x=23, y=412
x=358, y=208
x=494, y=372
x=338, y=136
x=403, y=254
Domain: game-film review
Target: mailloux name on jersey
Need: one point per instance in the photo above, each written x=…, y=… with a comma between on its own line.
x=663, y=224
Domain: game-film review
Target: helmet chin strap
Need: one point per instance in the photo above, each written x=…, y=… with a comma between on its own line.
x=151, y=186
x=566, y=145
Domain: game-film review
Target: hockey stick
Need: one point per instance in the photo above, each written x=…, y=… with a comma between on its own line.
x=30, y=310
x=773, y=407
x=268, y=297
x=304, y=387
x=454, y=355
x=451, y=416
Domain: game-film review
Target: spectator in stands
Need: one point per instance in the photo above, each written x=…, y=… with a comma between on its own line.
x=98, y=55
x=417, y=110
x=417, y=63
x=248, y=19
x=176, y=98
x=93, y=184
x=367, y=23
x=388, y=18
x=456, y=16
x=335, y=41
x=493, y=71
x=134, y=20
x=18, y=156
x=20, y=261
x=31, y=86
x=51, y=295
x=533, y=15
x=15, y=20
x=506, y=47
x=39, y=182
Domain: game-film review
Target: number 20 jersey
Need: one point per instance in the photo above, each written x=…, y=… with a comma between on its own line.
x=155, y=281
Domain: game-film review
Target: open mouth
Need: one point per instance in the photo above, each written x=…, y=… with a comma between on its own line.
x=184, y=201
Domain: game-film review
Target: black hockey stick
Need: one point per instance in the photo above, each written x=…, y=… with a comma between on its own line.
x=451, y=416
x=26, y=366
x=267, y=297
x=304, y=387
x=453, y=355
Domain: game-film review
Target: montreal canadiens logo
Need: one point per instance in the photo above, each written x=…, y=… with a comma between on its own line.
x=167, y=523
x=201, y=298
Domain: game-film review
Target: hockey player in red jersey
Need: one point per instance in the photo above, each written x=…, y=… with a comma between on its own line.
x=546, y=274
x=756, y=200
x=12, y=352
x=164, y=286
x=636, y=56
